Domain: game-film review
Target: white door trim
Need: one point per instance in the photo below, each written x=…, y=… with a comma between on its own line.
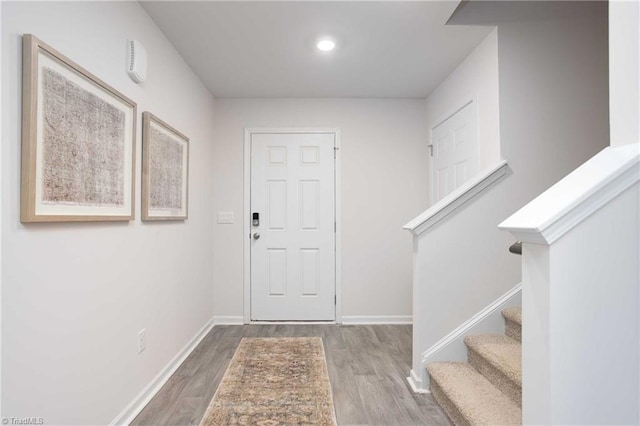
x=246, y=224
x=470, y=99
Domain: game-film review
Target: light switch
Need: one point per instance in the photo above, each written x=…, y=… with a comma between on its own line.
x=225, y=217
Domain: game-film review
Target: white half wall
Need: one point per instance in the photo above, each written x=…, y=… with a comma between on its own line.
x=475, y=78
x=383, y=160
x=593, y=321
x=580, y=294
x=75, y=295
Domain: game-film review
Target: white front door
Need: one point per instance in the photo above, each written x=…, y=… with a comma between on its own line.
x=453, y=152
x=293, y=227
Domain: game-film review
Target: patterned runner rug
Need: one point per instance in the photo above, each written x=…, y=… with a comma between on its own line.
x=274, y=381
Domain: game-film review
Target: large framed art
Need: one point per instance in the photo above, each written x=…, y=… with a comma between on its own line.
x=78, y=142
x=165, y=171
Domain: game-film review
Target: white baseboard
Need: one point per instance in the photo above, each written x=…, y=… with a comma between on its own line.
x=292, y=322
x=134, y=408
x=228, y=320
x=416, y=383
x=350, y=320
x=375, y=319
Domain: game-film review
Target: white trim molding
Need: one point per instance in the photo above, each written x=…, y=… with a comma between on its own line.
x=457, y=199
x=452, y=346
x=581, y=193
x=134, y=408
x=228, y=320
x=247, y=211
x=510, y=298
x=416, y=383
x=376, y=319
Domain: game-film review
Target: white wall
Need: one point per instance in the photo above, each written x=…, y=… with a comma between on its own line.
x=553, y=117
x=624, y=70
x=553, y=98
x=475, y=78
x=594, y=320
x=75, y=295
x=383, y=185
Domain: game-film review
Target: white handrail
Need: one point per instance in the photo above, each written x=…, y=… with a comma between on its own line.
x=563, y=206
x=456, y=199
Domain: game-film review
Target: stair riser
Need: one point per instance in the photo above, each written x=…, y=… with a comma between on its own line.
x=513, y=330
x=449, y=407
x=507, y=386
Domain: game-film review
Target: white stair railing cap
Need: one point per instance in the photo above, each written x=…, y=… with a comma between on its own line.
x=585, y=190
x=456, y=199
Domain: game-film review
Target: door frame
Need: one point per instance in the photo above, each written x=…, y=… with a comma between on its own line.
x=472, y=100
x=246, y=224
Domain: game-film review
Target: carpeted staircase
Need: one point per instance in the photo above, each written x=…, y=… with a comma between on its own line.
x=486, y=390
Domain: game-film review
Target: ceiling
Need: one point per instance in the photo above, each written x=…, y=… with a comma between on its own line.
x=385, y=49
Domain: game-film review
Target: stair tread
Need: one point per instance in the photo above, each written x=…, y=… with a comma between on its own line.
x=475, y=397
x=513, y=314
x=502, y=352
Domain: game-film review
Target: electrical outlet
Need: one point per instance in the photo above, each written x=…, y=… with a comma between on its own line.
x=142, y=340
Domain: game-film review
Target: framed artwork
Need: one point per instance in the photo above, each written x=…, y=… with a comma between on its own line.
x=78, y=142
x=165, y=170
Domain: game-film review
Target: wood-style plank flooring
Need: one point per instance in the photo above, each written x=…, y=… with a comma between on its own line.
x=367, y=369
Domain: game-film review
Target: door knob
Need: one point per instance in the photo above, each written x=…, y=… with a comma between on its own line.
x=256, y=236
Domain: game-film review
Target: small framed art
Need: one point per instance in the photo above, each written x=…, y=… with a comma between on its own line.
x=165, y=171
x=78, y=142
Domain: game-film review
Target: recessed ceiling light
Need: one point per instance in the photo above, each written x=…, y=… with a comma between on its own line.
x=326, y=45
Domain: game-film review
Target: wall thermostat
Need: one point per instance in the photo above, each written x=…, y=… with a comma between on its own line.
x=136, y=61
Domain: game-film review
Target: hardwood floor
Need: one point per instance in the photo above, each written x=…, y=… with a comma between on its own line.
x=368, y=365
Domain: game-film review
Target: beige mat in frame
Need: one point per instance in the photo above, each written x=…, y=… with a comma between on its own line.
x=274, y=381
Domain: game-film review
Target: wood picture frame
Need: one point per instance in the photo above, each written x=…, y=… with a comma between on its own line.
x=78, y=142
x=165, y=171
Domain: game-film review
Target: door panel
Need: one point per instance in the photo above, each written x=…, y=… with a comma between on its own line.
x=454, y=159
x=293, y=260
x=309, y=204
x=310, y=273
x=277, y=204
x=277, y=272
